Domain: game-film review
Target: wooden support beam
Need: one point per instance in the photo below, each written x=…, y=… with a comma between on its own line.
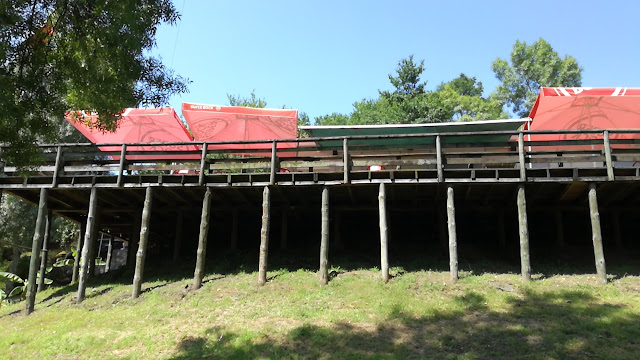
x=142, y=246
x=123, y=153
x=203, y=164
x=559, y=229
x=346, y=161
x=525, y=262
x=177, y=239
x=521, y=154
x=76, y=258
x=45, y=251
x=93, y=254
x=439, y=162
x=107, y=266
x=59, y=167
x=202, y=240
x=597, y=234
x=235, y=220
x=284, y=228
x=324, y=238
x=85, y=258
x=607, y=156
x=35, y=250
x=453, y=239
x=274, y=163
x=264, y=236
x=384, y=233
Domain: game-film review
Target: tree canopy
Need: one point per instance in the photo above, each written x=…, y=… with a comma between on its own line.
x=62, y=55
x=530, y=68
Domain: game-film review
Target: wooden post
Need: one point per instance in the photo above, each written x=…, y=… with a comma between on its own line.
x=453, y=242
x=177, y=239
x=284, y=228
x=597, y=234
x=608, y=157
x=85, y=258
x=523, y=170
x=142, y=246
x=384, y=233
x=107, y=266
x=264, y=236
x=234, y=228
x=123, y=153
x=93, y=254
x=76, y=258
x=559, y=229
x=45, y=251
x=345, y=161
x=58, y=167
x=524, y=234
x=203, y=164
x=439, y=167
x=35, y=250
x=324, y=238
x=202, y=240
x=274, y=163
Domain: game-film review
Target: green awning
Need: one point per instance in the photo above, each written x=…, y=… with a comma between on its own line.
x=396, y=129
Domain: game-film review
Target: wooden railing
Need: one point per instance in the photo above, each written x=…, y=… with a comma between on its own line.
x=590, y=155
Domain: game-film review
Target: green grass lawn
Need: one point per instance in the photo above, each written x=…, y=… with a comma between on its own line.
x=417, y=315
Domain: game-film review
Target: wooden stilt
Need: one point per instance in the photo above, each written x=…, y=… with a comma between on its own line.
x=264, y=236
x=324, y=238
x=142, y=246
x=525, y=263
x=384, y=233
x=86, y=247
x=45, y=251
x=35, y=250
x=597, y=234
x=76, y=258
x=284, y=229
x=107, y=266
x=234, y=228
x=177, y=239
x=202, y=240
x=453, y=239
x=93, y=254
x=559, y=229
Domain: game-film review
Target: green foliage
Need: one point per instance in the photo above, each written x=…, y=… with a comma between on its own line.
x=464, y=85
x=407, y=80
x=61, y=55
x=251, y=101
x=530, y=68
x=469, y=108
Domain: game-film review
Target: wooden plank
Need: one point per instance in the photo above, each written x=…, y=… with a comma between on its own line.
x=59, y=167
x=384, y=233
x=203, y=163
x=141, y=254
x=521, y=154
x=38, y=237
x=274, y=164
x=264, y=235
x=607, y=155
x=123, y=156
x=525, y=263
x=324, y=238
x=597, y=234
x=198, y=274
x=85, y=258
x=453, y=242
x=439, y=161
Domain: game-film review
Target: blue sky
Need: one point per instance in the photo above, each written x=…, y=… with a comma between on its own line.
x=322, y=56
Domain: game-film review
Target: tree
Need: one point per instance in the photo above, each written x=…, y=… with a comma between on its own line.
x=532, y=67
x=251, y=101
x=62, y=55
x=464, y=85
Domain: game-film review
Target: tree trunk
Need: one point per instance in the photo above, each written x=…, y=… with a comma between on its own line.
x=264, y=236
x=85, y=258
x=324, y=238
x=597, y=234
x=45, y=251
x=453, y=239
x=202, y=240
x=142, y=246
x=35, y=249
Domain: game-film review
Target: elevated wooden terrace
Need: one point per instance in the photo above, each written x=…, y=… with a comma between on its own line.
x=120, y=190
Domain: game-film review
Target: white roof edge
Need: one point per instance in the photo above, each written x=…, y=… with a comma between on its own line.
x=452, y=123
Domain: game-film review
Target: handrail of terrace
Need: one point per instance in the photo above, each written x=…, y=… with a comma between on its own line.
x=434, y=153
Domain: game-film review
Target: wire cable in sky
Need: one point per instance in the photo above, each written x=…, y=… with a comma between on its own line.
x=175, y=43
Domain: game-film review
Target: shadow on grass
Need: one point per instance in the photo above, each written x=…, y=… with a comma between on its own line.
x=562, y=324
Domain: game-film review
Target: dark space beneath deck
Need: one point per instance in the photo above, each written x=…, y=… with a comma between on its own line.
x=486, y=216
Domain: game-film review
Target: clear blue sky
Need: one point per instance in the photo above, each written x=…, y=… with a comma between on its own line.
x=322, y=56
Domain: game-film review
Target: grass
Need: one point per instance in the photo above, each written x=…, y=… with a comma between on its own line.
x=417, y=315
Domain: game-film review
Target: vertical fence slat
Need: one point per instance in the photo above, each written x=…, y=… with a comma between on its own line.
x=608, y=157
x=521, y=153
x=439, y=162
x=203, y=164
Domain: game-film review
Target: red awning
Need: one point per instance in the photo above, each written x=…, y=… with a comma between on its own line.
x=143, y=126
x=233, y=123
